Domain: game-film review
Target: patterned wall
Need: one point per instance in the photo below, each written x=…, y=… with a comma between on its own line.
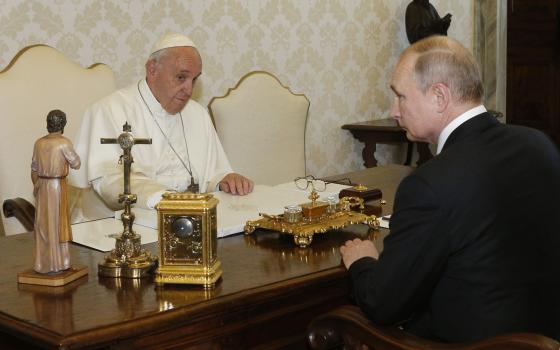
x=339, y=53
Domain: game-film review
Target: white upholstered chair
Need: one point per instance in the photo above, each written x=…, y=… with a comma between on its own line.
x=261, y=125
x=38, y=80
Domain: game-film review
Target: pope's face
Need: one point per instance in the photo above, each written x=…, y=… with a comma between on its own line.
x=413, y=109
x=172, y=79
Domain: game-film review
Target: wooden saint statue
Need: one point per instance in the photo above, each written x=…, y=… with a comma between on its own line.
x=52, y=155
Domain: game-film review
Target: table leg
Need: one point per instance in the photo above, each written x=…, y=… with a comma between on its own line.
x=368, y=154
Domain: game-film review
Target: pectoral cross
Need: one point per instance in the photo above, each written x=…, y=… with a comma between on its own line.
x=193, y=187
x=126, y=140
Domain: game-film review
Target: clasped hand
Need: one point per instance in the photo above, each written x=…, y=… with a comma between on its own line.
x=357, y=249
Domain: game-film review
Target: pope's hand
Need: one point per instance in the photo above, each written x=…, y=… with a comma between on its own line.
x=236, y=184
x=357, y=249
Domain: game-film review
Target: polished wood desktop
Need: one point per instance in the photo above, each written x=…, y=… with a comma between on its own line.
x=385, y=131
x=269, y=292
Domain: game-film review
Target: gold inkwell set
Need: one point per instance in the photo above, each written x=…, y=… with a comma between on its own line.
x=187, y=233
x=304, y=220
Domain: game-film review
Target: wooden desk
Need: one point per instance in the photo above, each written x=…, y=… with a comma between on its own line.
x=269, y=293
x=385, y=131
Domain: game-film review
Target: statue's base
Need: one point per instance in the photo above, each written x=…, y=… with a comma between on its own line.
x=52, y=279
x=137, y=267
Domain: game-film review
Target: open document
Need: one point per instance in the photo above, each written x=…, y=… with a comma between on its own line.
x=233, y=213
x=96, y=234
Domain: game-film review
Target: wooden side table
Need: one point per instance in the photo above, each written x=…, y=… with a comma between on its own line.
x=385, y=131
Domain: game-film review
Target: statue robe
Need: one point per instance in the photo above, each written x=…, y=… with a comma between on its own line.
x=52, y=154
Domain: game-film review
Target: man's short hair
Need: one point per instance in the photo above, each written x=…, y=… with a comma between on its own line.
x=56, y=121
x=158, y=55
x=443, y=60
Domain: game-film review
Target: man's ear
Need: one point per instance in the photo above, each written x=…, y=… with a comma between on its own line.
x=442, y=96
x=151, y=68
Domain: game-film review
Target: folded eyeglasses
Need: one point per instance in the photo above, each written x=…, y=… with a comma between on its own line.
x=318, y=185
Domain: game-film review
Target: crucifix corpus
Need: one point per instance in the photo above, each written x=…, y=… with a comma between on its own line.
x=128, y=259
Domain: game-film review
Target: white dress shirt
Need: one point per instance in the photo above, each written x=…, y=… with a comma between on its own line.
x=455, y=123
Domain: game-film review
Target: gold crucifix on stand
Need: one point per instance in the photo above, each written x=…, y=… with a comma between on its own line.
x=128, y=259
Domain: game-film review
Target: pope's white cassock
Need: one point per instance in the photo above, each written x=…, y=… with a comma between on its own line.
x=156, y=167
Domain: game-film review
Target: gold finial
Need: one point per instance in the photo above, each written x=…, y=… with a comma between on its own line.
x=313, y=197
x=360, y=187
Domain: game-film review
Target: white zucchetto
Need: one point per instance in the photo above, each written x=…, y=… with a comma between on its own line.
x=172, y=40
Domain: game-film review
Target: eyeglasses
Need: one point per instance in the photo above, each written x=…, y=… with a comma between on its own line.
x=318, y=185
x=303, y=183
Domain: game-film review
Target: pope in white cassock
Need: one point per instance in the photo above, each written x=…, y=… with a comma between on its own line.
x=185, y=149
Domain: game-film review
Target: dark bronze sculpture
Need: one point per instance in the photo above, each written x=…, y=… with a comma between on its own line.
x=128, y=259
x=422, y=20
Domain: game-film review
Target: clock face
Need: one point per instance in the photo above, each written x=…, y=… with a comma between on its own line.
x=182, y=226
x=182, y=239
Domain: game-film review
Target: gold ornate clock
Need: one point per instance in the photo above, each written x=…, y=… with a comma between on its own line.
x=188, y=239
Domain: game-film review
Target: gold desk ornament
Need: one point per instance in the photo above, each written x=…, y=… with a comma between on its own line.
x=188, y=239
x=128, y=259
x=330, y=216
x=368, y=195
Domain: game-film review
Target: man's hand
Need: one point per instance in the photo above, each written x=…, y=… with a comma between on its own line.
x=236, y=184
x=357, y=249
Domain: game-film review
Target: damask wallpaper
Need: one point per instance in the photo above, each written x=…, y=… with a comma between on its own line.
x=340, y=53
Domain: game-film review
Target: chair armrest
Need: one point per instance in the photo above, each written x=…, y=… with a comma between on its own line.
x=348, y=328
x=22, y=210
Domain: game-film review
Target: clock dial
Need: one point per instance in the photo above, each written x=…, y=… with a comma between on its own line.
x=182, y=227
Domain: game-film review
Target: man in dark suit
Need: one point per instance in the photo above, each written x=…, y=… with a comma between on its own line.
x=474, y=248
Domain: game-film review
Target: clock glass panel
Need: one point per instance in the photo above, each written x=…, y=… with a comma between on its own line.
x=182, y=239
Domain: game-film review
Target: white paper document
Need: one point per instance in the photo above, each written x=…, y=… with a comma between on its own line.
x=384, y=221
x=95, y=234
x=235, y=211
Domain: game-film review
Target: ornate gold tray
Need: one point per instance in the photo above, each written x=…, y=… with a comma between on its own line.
x=304, y=229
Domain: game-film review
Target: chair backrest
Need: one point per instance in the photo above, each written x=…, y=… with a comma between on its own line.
x=38, y=80
x=261, y=125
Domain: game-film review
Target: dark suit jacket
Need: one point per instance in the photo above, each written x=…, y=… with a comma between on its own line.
x=474, y=248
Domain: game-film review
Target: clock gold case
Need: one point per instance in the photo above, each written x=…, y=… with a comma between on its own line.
x=188, y=239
